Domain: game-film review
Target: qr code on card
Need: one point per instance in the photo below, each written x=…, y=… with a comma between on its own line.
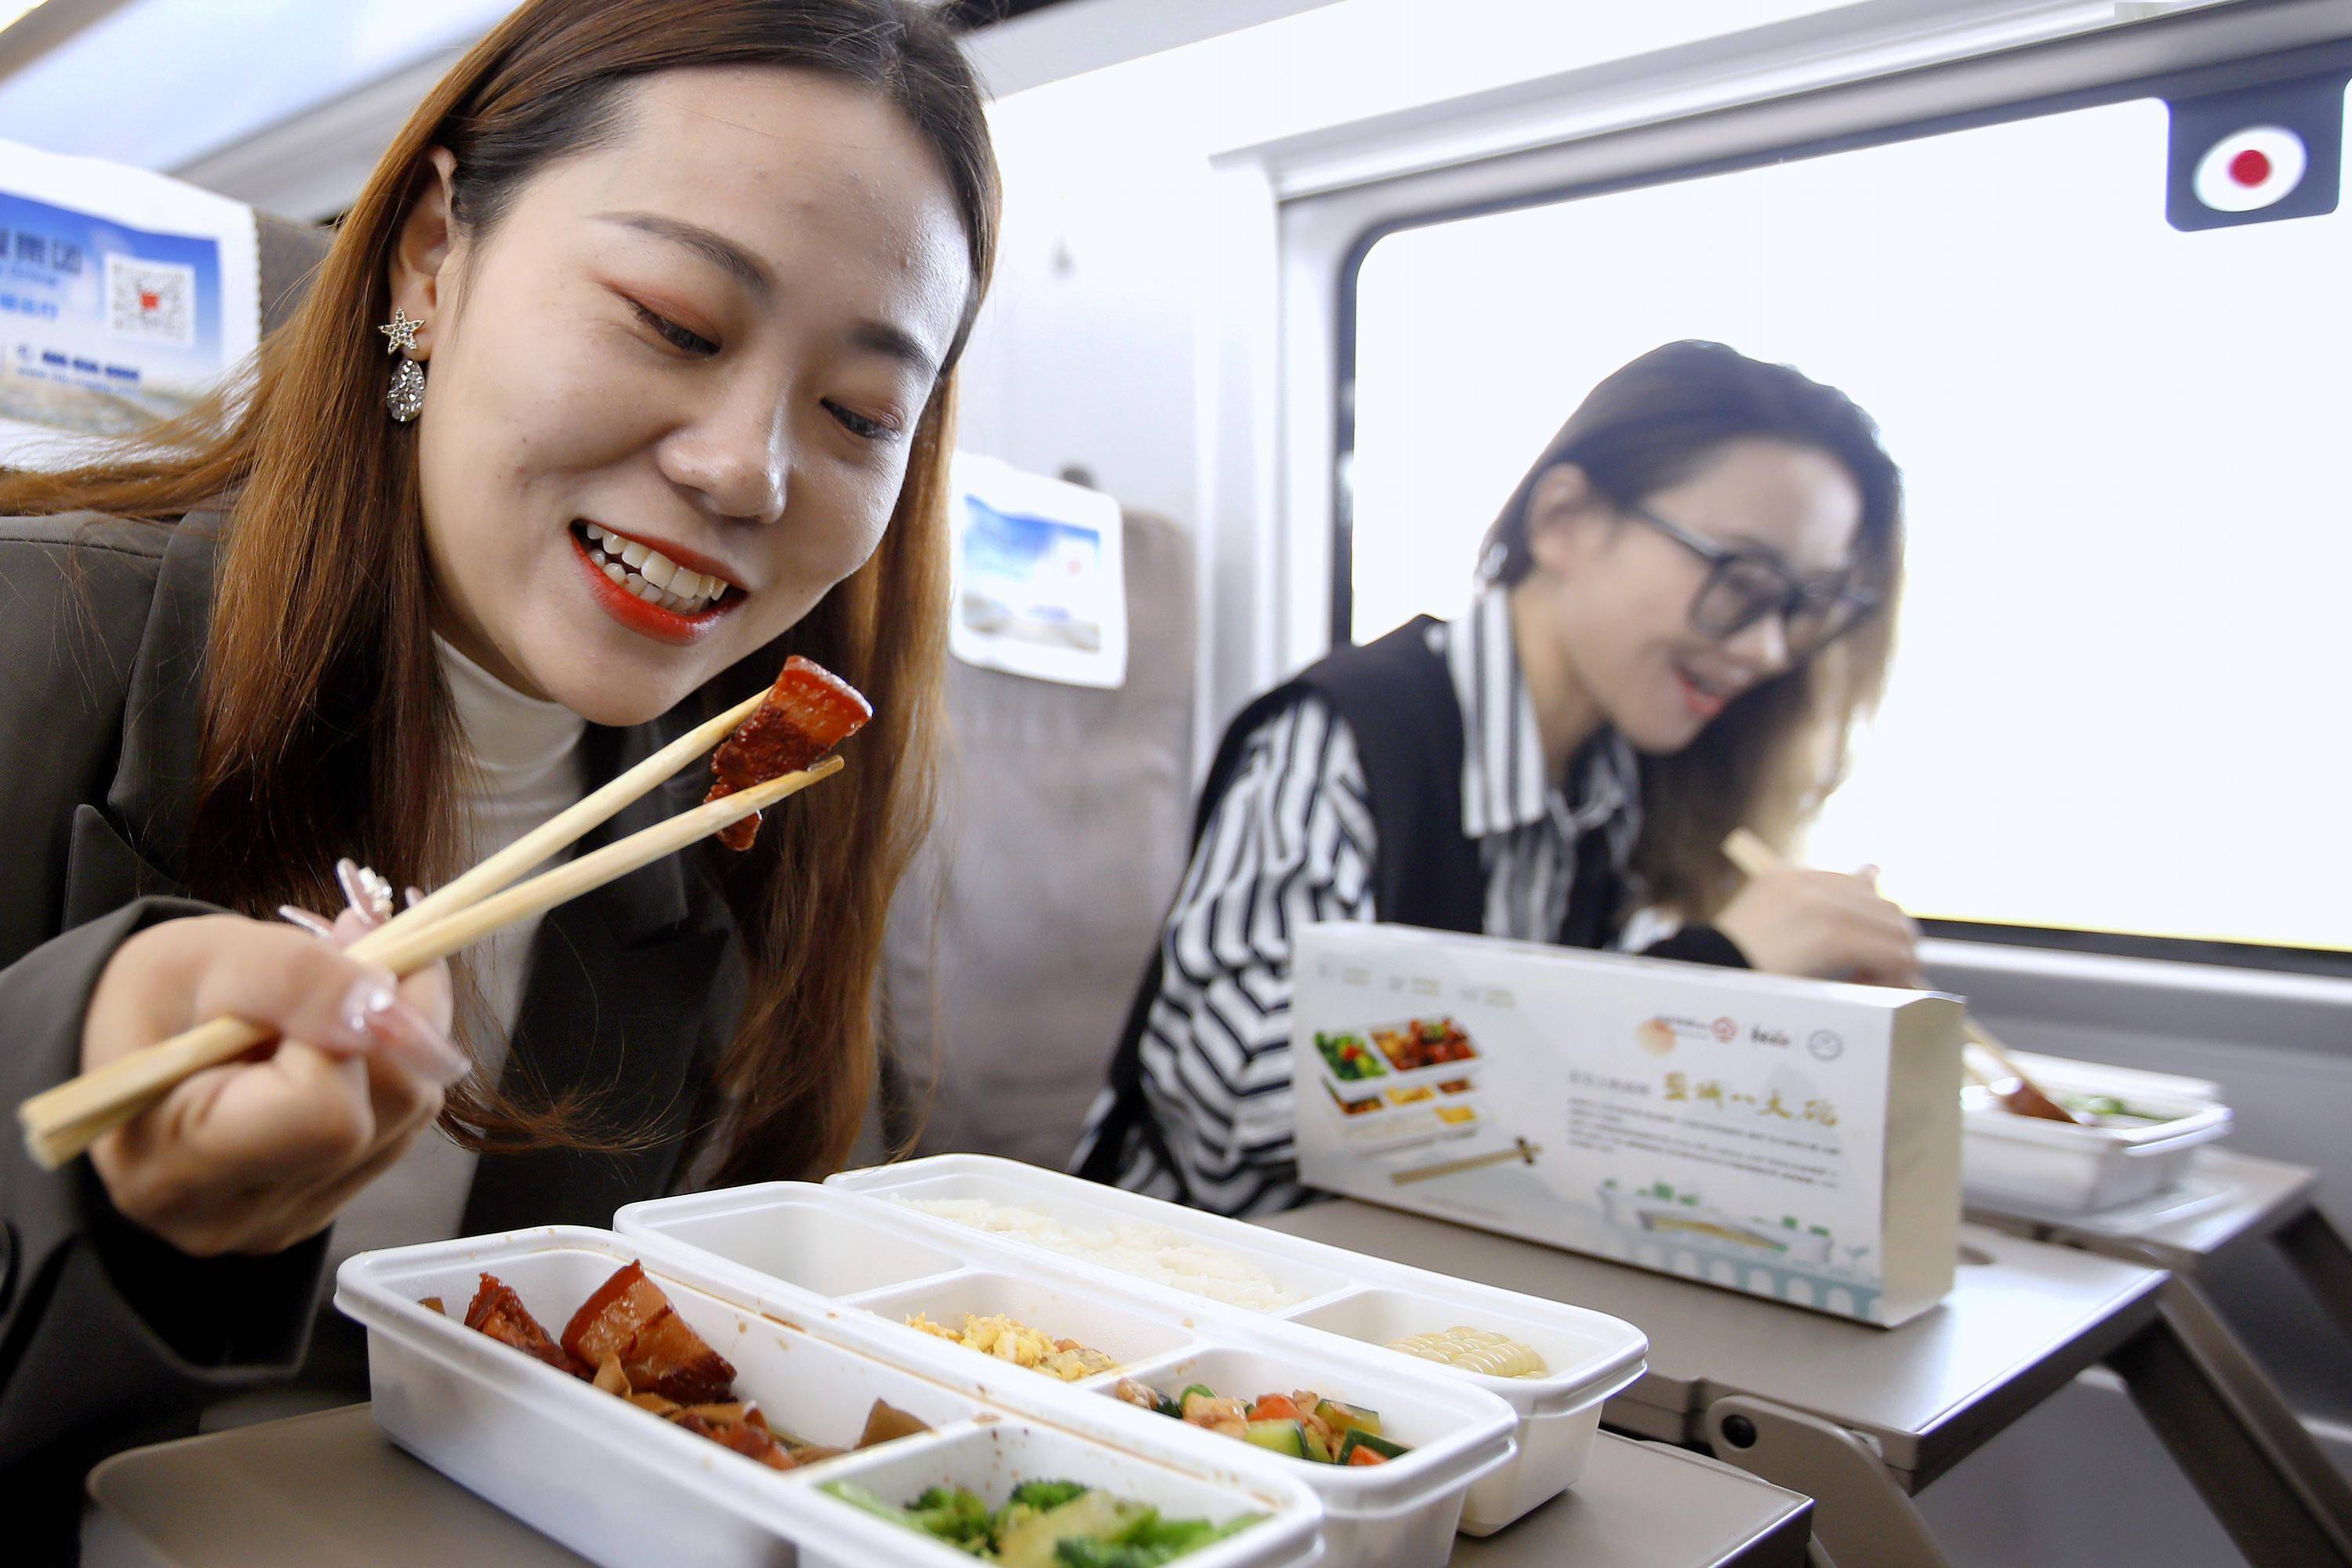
x=151, y=302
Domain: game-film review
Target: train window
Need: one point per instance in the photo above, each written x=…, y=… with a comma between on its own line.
x=2117, y=702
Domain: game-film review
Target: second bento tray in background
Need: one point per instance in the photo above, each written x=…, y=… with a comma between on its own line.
x=1370, y=1302
x=883, y=1265
x=629, y=1489
x=2111, y=1160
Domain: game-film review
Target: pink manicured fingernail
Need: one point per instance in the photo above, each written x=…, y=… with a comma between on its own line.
x=410, y=1040
x=368, y=999
x=307, y=921
x=369, y=895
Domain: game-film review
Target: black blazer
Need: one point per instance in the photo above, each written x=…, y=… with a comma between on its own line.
x=105, y=1332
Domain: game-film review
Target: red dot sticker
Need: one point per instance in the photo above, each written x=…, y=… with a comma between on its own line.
x=2249, y=169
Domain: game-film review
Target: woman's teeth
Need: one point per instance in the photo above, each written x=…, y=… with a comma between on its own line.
x=651, y=575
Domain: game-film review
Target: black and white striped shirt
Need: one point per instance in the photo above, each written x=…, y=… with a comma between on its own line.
x=1292, y=842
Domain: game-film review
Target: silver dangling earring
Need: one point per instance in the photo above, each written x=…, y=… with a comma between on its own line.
x=405, y=398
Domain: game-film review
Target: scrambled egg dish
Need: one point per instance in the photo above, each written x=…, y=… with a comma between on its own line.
x=1000, y=1337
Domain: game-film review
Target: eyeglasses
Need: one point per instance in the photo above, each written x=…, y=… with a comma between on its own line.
x=1743, y=587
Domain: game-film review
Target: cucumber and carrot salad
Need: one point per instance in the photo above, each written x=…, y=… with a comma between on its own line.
x=1301, y=1425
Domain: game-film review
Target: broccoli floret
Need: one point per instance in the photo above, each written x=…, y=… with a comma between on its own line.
x=1044, y=1495
x=1171, y=1536
x=954, y=1515
x=1148, y=1541
x=1141, y=1528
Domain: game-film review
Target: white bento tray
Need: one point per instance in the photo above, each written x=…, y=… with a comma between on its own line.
x=625, y=1488
x=881, y=1263
x=1347, y=1296
x=2038, y=1167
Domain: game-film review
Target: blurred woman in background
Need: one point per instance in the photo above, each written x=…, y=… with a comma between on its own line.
x=1678, y=615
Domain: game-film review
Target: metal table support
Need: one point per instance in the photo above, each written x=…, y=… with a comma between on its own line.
x=2320, y=1253
x=2227, y=1427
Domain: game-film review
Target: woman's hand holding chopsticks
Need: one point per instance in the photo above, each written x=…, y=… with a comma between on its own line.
x=771, y=746
x=256, y=1155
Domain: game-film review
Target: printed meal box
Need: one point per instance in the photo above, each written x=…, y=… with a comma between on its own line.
x=1795, y=1139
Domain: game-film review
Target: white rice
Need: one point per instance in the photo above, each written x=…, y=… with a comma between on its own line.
x=1151, y=1252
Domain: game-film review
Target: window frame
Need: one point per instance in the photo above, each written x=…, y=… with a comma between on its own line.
x=2229, y=47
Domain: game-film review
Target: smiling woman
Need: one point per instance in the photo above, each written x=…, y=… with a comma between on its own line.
x=674, y=291
x=1678, y=614
x=675, y=340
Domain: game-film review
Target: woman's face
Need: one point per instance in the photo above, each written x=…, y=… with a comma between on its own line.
x=670, y=393
x=1614, y=595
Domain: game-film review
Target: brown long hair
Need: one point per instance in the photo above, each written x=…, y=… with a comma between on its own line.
x=1771, y=758
x=320, y=682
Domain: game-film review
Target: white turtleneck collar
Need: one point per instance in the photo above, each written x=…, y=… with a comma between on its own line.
x=529, y=766
x=517, y=741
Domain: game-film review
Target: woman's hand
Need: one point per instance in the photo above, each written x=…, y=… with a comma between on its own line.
x=1793, y=921
x=255, y=1156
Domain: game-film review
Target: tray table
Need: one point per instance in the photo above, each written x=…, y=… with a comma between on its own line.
x=330, y=1491
x=1860, y=1418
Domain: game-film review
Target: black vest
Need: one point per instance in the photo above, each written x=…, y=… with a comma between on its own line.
x=1397, y=698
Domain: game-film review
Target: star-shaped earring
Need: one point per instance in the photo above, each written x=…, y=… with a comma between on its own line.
x=402, y=335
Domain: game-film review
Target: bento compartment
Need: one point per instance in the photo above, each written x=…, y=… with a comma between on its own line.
x=1346, y=1060
x=1053, y=1313
x=1357, y=1100
x=823, y=1393
x=1399, y=1117
x=1422, y=1419
x=1559, y=1411
x=1159, y=1243
x=566, y=1472
x=553, y=1277
x=816, y=1392
x=1400, y=1513
x=616, y=1483
x=1379, y=1317
x=992, y=1457
x=793, y=1232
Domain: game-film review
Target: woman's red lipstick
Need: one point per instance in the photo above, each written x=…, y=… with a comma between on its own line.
x=678, y=628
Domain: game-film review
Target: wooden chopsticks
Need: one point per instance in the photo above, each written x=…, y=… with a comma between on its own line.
x=61, y=1122
x=1753, y=856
